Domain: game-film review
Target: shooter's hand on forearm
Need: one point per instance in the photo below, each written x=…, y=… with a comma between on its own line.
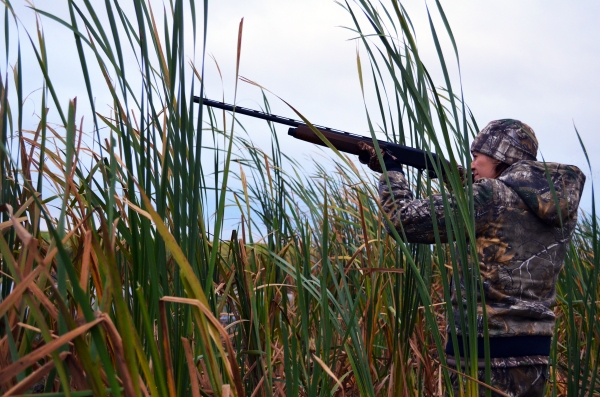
x=369, y=157
x=462, y=173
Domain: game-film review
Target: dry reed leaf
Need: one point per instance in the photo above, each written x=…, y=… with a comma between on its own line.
x=226, y=391
x=167, y=348
x=7, y=224
x=85, y=260
x=77, y=374
x=17, y=367
x=27, y=203
x=258, y=386
x=20, y=288
x=274, y=285
x=191, y=368
x=415, y=349
x=137, y=209
x=31, y=328
x=230, y=363
x=204, y=381
x=281, y=253
x=329, y=372
x=54, y=251
x=368, y=270
x=235, y=323
x=160, y=50
x=32, y=254
x=391, y=380
x=143, y=386
x=364, y=228
x=96, y=278
x=113, y=236
x=119, y=354
x=23, y=234
x=477, y=381
x=29, y=381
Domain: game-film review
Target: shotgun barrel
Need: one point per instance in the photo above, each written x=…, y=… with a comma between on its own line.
x=341, y=140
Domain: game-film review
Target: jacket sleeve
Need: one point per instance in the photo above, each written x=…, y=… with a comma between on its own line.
x=414, y=218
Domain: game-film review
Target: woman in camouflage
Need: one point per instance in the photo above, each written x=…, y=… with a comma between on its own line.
x=522, y=229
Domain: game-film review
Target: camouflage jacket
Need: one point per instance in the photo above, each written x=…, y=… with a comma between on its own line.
x=519, y=238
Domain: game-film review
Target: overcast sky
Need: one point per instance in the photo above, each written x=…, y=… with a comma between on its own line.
x=537, y=61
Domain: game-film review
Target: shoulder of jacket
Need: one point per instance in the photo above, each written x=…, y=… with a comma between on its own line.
x=493, y=191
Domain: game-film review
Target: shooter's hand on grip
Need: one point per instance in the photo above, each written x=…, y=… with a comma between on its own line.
x=369, y=157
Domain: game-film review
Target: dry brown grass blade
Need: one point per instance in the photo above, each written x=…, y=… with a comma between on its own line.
x=23, y=234
x=31, y=252
x=329, y=372
x=77, y=151
x=258, y=387
x=137, y=209
x=159, y=51
x=119, y=354
x=49, y=306
x=45, y=350
x=477, y=381
x=143, y=387
x=364, y=227
x=7, y=224
x=85, y=260
x=18, y=291
x=191, y=367
x=226, y=391
x=54, y=251
x=26, y=204
x=96, y=277
x=26, y=259
x=368, y=270
x=233, y=367
x=204, y=381
x=167, y=348
x=77, y=374
x=34, y=377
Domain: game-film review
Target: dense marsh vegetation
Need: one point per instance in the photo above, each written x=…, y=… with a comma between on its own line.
x=117, y=277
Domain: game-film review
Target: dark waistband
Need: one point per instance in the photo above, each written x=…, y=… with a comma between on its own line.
x=512, y=346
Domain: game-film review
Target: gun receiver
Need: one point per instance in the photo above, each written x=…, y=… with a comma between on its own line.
x=341, y=140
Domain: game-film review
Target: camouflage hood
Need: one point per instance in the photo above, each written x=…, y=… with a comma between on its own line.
x=530, y=181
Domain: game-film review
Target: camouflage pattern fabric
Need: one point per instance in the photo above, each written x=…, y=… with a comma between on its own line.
x=522, y=234
x=508, y=141
x=524, y=381
x=502, y=362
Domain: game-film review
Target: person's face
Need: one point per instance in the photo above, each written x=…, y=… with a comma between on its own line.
x=483, y=166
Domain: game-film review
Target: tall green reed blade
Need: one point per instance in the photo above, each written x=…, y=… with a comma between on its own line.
x=135, y=159
x=223, y=191
x=409, y=86
x=582, y=276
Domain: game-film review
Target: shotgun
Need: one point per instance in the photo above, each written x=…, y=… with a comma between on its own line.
x=341, y=140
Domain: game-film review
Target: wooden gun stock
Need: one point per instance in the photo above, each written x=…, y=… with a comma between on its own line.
x=348, y=143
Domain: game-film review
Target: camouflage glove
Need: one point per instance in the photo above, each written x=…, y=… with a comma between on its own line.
x=369, y=157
